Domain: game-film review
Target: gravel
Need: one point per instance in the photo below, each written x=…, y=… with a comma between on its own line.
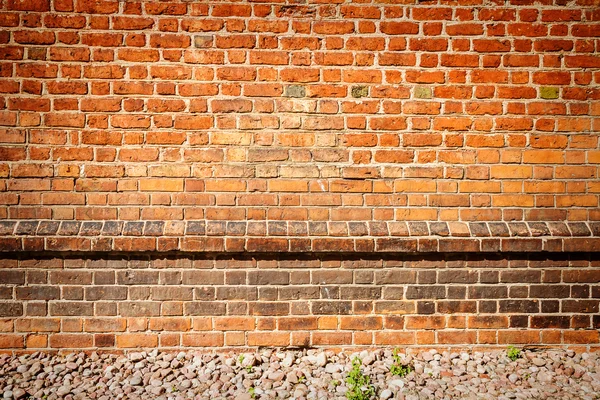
x=309, y=374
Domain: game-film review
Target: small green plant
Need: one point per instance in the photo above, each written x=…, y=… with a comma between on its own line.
x=241, y=358
x=513, y=353
x=398, y=368
x=252, y=392
x=336, y=383
x=302, y=379
x=249, y=368
x=359, y=385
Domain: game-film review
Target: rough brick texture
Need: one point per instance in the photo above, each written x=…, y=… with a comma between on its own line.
x=299, y=300
x=270, y=129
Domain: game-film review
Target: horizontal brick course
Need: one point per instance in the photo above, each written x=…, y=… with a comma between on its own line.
x=380, y=300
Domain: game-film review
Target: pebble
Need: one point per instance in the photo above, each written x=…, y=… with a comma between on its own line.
x=303, y=374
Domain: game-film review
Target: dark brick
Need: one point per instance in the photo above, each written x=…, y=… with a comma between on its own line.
x=112, y=228
x=489, y=276
x=550, y=306
x=559, y=229
x=457, y=292
x=331, y=307
x=162, y=293
x=519, y=306
x=521, y=276
x=360, y=292
x=90, y=228
x=12, y=277
x=418, y=229
x=425, y=307
x=133, y=228
x=457, y=276
x=72, y=309
x=357, y=229
x=518, y=321
x=95, y=293
x=299, y=293
x=136, y=277
x=579, y=306
x=26, y=228
x=377, y=228
x=11, y=309
x=154, y=228
x=216, y=228
x=395, y=277
x=72, y=293
x=246, y=293
x=479, y=229
x=69, y=228
x=70, y=278
x=579, y=229
x=488, y=307
x=499, y=229
x=270, y=277
x=328, y=277
x=426, y=292
x=518, y=292
x=393, y=292
x=550, y=322
x=396, y=244
x=257, y=228
x=170, y=278
x=36, y=309
x=236, y=228
x=267, y=294
x=48, y=228
x=453, y=307
x=439, y=228
x=399, y=228
x=7, y=227
x=549, y=291
x=459, y=245
x=518, y=229
x=6, y=293
x=539, y=229
x=106, y=309
x=235, y=277
x=580, y=322
x=426, y=277
x=38, y=293
x=580, y=291
x=205, y=293
x=522, y=245
x=330, y=292
x=142, y=308
x=317, y=228
x=203, y=277
x=488, y=292
x=104, y=277
x=267, y=245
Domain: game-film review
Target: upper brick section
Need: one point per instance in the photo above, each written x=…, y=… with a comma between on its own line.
x=358, y=117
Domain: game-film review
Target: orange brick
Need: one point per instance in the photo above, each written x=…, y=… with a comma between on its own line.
x=136, y=340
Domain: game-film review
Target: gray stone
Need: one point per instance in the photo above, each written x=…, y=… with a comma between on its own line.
x=295, y=91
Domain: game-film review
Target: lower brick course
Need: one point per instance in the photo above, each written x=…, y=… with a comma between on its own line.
x=124, y=301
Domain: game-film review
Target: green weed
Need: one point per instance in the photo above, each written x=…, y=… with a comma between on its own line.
x=359, y=385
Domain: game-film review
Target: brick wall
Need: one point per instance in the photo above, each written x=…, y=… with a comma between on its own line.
x=163, y=166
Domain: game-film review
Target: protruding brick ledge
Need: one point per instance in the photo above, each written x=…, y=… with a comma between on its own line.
x=298, y=236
